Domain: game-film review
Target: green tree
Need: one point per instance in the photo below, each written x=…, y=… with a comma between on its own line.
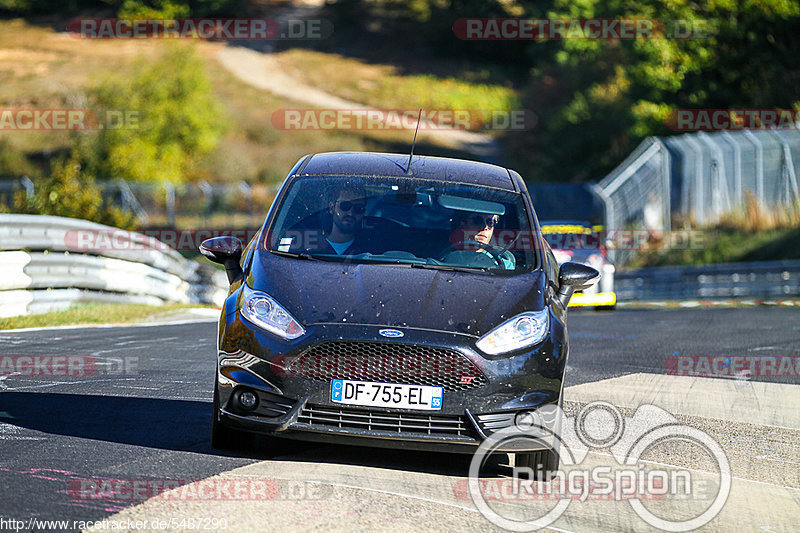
x=172, y=118
x=597, y=99
x=72, y=192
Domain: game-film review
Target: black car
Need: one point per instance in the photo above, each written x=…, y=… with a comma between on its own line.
x=394, y=301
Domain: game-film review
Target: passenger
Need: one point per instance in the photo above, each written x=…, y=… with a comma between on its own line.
x=471, y=230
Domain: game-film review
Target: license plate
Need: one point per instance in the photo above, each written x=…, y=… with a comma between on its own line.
x=371, y=394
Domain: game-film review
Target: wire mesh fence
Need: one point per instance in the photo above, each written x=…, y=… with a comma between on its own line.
x=191, y=206
x=696, y=178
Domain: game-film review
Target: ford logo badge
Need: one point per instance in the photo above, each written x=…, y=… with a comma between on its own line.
x=391, y=333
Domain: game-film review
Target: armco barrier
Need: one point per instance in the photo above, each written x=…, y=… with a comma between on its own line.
x=40, y=270
x=763, y=280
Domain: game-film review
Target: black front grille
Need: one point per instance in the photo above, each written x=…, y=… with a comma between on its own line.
x=411, y=424
x=388, y=362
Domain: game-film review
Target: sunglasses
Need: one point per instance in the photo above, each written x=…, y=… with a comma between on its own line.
x=358, y=209
x=483, y=222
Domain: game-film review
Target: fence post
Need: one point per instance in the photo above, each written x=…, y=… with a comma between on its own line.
x=27, y=183
x=130, y=202
x=787, y=172
x=759, y=166
x=699, y=199
x=608, y=218
x=737, y=167
x=208, y=193
x=169, y=189
x=666, y=176
x=246, y=190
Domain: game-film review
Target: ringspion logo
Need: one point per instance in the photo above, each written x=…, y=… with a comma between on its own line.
x=631, y=477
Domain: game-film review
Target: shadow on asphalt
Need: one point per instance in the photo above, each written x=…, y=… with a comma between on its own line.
x=184, y=425
x=151, y=422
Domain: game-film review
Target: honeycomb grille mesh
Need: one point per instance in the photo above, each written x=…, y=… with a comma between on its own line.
x=387, y=362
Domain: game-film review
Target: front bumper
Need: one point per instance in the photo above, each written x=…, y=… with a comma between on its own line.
x=297, y=404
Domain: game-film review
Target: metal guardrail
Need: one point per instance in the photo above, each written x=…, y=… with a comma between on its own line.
x=762, y=280
x=44, y=268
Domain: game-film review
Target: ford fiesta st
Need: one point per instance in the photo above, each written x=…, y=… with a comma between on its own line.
x=393, y=301
x=581, y=243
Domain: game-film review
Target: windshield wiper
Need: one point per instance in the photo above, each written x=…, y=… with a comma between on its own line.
x=305, y=256
x=451, y=268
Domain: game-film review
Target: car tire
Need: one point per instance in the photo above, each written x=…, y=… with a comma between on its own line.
x=541, y=462
x=224, y=437
x=606, y=307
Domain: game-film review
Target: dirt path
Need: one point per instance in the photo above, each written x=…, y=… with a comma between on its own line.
x=259, y=68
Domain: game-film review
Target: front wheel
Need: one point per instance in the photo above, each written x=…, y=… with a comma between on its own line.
x=223, y=437
x=542, y=463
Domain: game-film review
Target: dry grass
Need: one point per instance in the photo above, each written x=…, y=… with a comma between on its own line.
x=94, y=314
x=754, y=217
x=383, y=87
x=41, y=68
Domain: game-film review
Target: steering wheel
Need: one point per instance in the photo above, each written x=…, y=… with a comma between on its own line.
x=469, y=244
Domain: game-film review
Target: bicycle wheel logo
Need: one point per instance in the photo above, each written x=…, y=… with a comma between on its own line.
x=631, y=476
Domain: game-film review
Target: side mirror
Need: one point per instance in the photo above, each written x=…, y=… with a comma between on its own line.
x=225, y=251
x=573, y=277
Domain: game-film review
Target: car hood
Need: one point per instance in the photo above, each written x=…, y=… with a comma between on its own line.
x=317, y=292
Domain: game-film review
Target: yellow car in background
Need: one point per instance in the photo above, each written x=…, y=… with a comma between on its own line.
x=581, y=242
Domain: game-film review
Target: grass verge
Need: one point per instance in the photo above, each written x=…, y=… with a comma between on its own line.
x=383, y=87
x=87, y=314
x=728, y=245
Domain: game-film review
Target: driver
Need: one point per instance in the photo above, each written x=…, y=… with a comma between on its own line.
x=474, y=232
x=347, y=208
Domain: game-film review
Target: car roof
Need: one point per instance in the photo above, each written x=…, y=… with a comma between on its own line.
x=422, y=167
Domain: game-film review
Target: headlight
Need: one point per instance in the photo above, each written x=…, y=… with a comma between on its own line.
x=262, y=310
x=523, y=330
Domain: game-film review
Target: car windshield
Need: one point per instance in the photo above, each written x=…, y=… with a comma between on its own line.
x=403, y=221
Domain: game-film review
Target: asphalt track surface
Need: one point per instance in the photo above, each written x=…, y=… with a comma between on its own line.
x=143, y=413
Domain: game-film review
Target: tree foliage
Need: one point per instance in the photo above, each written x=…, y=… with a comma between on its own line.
x=172, y=118
x=597, y=99
x=72, y=192
x=156, y=9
